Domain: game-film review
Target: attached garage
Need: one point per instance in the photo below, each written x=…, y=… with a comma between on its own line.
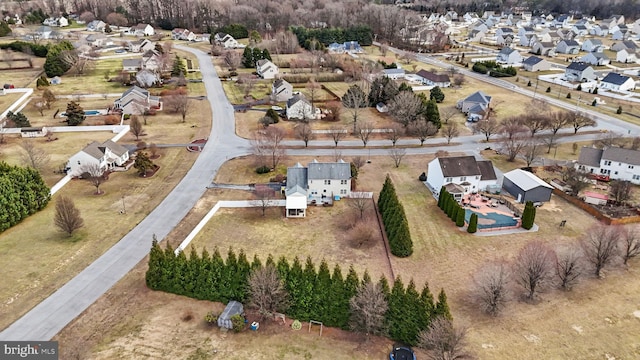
x=525, y=186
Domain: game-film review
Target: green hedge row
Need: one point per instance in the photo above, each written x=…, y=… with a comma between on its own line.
x=395, y=221
x=22, y=193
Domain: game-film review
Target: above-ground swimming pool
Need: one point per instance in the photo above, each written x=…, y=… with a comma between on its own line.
x=491, y=220
x=89, y=113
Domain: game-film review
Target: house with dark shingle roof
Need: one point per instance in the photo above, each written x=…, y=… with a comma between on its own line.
x=617, y=82
x=615, y=162
x=474, y=104
x=319, y=182
x=281, y=90
x=432, y=79
x=460, y=175
x=568, y=47
x=592, y=45
x=509, y=56
x=534, y=63
x=579, y=71
x=106, y=156
x=266, y=69
x=596, y=59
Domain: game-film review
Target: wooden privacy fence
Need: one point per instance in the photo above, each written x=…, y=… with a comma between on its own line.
x=595, y=212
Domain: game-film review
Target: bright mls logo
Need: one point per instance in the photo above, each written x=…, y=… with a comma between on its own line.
x=32, y=350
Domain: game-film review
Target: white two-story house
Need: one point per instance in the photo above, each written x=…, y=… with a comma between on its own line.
x=617, y=163
x=460, y=175
x=266, y=69
x=107, y=155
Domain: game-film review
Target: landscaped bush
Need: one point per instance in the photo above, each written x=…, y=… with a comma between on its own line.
x=237, y=321
x=22, y=193
x=473, y=224
x=528, y=215
x=263, y=169
x=211, y=318
x=395, y=221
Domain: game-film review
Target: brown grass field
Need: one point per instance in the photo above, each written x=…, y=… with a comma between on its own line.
x=597, y=318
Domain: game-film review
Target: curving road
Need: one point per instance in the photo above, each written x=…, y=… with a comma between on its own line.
x=50, y=316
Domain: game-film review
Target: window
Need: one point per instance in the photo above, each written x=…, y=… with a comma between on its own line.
x=78, y=162
x=327, y=182
x=343, y=182
x=607, y=162
x=630, y=166
x=477, y=177
x=448, y=179
x=615, y=173
x=343, y=191
x=463, y=178
x=636, y=177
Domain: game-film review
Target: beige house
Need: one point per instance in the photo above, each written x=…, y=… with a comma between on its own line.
x=136, y=101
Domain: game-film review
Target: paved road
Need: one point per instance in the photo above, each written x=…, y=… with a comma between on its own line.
x=54, y=313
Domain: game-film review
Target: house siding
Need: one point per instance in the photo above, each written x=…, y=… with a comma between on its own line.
x=539, y=193
x=318, y=187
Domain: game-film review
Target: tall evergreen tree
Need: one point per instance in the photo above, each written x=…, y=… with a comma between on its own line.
x=74, y=114
x=339, y=310
x=442, y=308
x=178, y=67
x=153, y=274
x=436, y=94
x=460, y=216
x=433, y=114
x=397, y=311
x=473, y=223
x=528, y=215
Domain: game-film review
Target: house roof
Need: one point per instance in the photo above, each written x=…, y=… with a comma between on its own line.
x=578, y=66
x=136, y=89
x=570, y=43
x=506, y=50
x=93, y=149
x=506, y=30
x=329, y=171
x=627, y=156
x=97, y=150
x=115, y=147
x=454, y=188
x=459, y=166
x=279, y=83
x=297, y=98
x=393, y=71
x=525, y=180
x=595, y=195
x=629, y=44
x=532, y=60
x=590, y=156
x=594, y=41
x=262, y=62
x=615, y=78
x=433, y=77
x=296, y=177
x=478, y=97
x=131, y=62
x=599, y=55
x=487, y=172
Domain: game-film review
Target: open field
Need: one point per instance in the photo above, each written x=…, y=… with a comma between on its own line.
x=597, y=318
x=8, y=99
x=32, y=275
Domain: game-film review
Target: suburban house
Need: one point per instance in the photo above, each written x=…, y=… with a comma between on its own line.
x=131, y=65
x=599, y=30
x=319, y=182
x=568, y=47
x=136, y=101
x=432, y=79
x=627, y=44
x=227, y=41
x=460, y=175
x=534, y=63
x=627, y=56
x=580, y=29
x=96, y=25
x=298, y=107
x=505, y=40
x=350, y=47
x=107, y=156
x=394, y=74
x=43, y=33
x=182, y=34
x=141, y=45
x=617, y=163
x=617, y=82
x=57, y=22
x=474, y=104
x=281, y=90
x=592, y=45
x=580, y=72
x=509, y=56
x=98, y=40
x=152, y=60
x=266, y=69
x=525, y=186
x=595, y=58
x=142, y=30
x=545, y=48
x=146, y=78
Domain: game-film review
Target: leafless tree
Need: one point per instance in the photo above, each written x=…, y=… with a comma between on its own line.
x=39, y=105
x=405, y=107
x=313, y=88
x=535, y=122
x=246, y=82
x=368, y=308
x=268, y=143
x=337, y=133
x=394, y=133
x=305, y=133
x=629, y=243
x=579, y=120
x=531, y=151
x=423, y=130
x=512, y=146
x=360, y=204
x=267, y=292
x=490, y=287
x=568, y=267
x=576, y=179
x=136, y=127
x=116, y=19
x=49, y=98
x=559, y=120
x=459, y=80
x=620, y=190
x=358, y=162
x=609, y=139
x=232, y=59
x=264, y=198
x=635, y=143
x=364, y=131
x=67, y=217
x=361, y=233
x=533, y=267
x=73, y=60
x=396, y=154
x=511, y=127
x=450, y=131
x=95, y=176
x=87, y=16
x=600, y=246
x=153, y=150
x=355, y=100
x=488, y=127
x=178, y=103
x=444, y=341
x=34, y=156
x=383, y=49
x=336, y=155
x=448, y=113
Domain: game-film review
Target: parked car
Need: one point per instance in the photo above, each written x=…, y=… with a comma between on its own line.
x=401, y=352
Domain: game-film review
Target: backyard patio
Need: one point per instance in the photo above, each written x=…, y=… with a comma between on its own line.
x=493, y=213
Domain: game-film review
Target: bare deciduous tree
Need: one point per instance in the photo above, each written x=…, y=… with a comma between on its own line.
x=459, y=80
x=39, y=105
x=444, y=341
x=264, y=198
x=394, y=133
x=405, y=107
x=354, y=100
x=362, y=234
x=533, y=267
x=267, y=292
x=512, y=146
x=34, y=156
x=448, y=113
x=313, y=88
x=178, y=103
x=80, y=64
x=600, y=246
x=358, y=162
x=609, y=139
x=579, y=120
x=531, y=151
x=94, y=175
x=337, y=133
x=423, y=130
x=232, y=59
x=559, y=120
x=305, y=133
x=620, y=190
x=511, y=127
x=487, y=127
x=359, y=203
x=368, y=308
x=490, y=287
x=535, y=122
x=396, y=154
x=67, y=217
x=568, y=267
x=268, y=143
x=364, y=131
x=629, y=243
x=450, y=131
x=136, y=127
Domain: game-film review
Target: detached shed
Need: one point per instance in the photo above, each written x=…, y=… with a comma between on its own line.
x=595, y=198
x=525, y=186
x=232, y=308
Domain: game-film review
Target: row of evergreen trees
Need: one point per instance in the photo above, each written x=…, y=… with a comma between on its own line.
x=394, y=220
x=325, y=36
x=251, y=56
x=320, y=295
x=455, y=212
x=22, y=193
